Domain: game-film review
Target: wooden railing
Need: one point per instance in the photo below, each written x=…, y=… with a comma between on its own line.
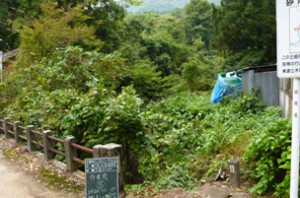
x=45, y=141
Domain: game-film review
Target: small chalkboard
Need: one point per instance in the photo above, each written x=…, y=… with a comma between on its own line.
x=101, y=177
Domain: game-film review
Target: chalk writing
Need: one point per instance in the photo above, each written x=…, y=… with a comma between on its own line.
x=102, y=177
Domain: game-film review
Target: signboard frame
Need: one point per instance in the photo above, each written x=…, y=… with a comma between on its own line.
x=288, y=38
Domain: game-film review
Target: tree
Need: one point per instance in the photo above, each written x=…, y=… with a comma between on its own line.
x=198, y=21
x=197, y=76
x=15, y=14
x=107, y=17
x=159, y=38
x=10, y=12
x=245, y=26
x=56, y=28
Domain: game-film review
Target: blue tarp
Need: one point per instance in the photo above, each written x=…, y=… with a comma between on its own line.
x=226, y=84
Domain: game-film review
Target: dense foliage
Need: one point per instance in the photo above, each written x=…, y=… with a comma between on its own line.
x=72, y=93
x=90, y=70
x=271, y=151
x=245, y=31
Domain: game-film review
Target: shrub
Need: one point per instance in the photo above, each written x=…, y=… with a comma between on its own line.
x=197, y=76
x=268, y=156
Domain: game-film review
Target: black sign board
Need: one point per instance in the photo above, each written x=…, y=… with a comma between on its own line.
x=101, y=177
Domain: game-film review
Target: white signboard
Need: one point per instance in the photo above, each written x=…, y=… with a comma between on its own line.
x=288, y=38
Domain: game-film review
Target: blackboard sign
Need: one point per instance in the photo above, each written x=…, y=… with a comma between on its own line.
x=101, y=177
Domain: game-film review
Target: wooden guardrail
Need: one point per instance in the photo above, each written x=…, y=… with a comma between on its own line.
x=45, y=141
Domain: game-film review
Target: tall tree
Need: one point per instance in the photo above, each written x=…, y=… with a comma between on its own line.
x=107, y=16
x=11, y=11
x=55, y=28
x=247, y=27
x=198, y=21
x=15, y=14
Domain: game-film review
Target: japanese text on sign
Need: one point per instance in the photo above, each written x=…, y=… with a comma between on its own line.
x=288, y=38
x=102, y=177
x=291, y=2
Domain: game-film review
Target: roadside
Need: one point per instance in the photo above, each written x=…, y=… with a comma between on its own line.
x=15, y=183
x=26, y=175
x=207, y=190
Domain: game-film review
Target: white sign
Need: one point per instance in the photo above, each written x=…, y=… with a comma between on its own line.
x=288, y=38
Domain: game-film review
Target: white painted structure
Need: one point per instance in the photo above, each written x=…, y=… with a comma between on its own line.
x=288, y=66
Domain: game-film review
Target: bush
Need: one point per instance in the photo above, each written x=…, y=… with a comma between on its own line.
x=146, y=80
x=197, y=76
x=201, y=131
x=268, y=156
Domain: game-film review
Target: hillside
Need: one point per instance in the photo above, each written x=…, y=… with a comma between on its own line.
x=157, y=6
x=143, y=81
x=161, y=6
x=215, y=1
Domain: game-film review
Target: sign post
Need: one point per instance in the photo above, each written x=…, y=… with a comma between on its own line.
x=288, y=66
x=294, y=182
x=102, y=177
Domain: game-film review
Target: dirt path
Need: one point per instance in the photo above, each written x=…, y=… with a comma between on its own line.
x=14, y=183
x=220, y=191
x=27, y=175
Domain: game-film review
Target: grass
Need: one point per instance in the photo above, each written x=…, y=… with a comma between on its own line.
x=13, y=153
x=58, y=182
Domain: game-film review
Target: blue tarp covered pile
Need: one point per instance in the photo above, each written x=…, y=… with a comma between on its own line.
x=227, y=83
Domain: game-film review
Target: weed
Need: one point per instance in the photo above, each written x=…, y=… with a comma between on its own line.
x=53, y=179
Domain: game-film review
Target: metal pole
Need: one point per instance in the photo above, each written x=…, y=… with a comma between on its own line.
x=294, y=182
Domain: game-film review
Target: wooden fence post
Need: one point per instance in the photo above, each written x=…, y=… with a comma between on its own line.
x=234, y=167
x=96, y=151
x=2, y=125
x=112, y=150
x=30, y=146
x=70, y=153
x=17, y=131
x=47, y=145
x=5, y=126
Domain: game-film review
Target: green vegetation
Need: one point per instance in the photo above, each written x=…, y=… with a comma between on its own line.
x=141, y=80
x=271, y=151
x=13, y=153
x=245, y=31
